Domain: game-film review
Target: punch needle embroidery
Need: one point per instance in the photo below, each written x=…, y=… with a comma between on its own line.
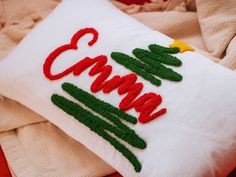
x=144, y=104
x=114, y=125
x=152, y=64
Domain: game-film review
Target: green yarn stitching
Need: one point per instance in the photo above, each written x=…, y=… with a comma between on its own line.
x=97, y=106
x=149, y=64
x=134, y=66
x=79, y=93
x=146, y=71
x=97, y=124
x=151, y=58
x=91, y=121
x=160, y=49
x=155, y=67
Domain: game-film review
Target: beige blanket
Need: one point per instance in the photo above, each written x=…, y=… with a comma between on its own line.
x=35, y=147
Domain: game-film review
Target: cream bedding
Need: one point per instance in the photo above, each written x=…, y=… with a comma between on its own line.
x=34, y=146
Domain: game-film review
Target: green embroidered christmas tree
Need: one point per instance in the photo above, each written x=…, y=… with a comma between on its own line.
x=150, y=64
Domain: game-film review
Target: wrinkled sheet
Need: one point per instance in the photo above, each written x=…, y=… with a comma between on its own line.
x=35, y=147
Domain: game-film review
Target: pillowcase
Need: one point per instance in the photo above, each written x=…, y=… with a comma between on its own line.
x=146, y=104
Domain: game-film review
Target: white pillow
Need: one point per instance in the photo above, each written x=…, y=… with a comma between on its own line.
x=193, y=131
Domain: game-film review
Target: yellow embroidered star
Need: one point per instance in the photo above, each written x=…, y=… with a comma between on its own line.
x=182, y=46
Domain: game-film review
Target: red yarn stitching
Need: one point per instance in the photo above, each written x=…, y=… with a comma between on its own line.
x=72, y=46
x=145, y=104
